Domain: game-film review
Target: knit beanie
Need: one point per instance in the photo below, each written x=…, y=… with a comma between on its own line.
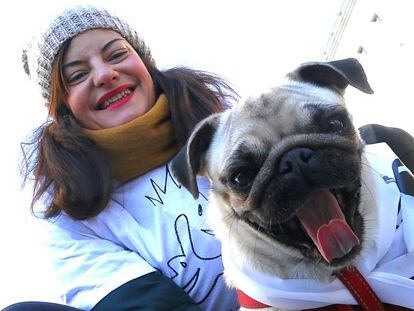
x=39, y=55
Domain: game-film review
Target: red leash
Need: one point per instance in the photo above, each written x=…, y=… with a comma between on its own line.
x=360, y=289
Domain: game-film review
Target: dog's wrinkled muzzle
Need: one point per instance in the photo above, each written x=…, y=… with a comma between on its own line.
x=303, y=179
x=321, y=215
x=303, y=142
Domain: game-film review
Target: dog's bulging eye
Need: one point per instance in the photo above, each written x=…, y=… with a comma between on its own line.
x=243, y=179
x=336, y=125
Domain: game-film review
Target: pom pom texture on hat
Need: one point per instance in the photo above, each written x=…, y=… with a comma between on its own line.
x=39, y=55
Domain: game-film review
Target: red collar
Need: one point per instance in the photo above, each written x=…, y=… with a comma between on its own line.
x=248, y=302
x=353, y=280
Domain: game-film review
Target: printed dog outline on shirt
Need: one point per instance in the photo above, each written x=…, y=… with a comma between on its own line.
x=185, y=233
x=178, y=263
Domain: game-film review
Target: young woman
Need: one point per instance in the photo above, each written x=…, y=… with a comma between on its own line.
x=123, y=233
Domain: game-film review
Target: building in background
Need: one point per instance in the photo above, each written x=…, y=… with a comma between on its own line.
x=379, y=33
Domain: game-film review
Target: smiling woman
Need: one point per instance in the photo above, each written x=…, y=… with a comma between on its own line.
x=98, y=165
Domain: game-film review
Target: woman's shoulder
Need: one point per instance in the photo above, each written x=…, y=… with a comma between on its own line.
x=158, y=185
x=138, y=201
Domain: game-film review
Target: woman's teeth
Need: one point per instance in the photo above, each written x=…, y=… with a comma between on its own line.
x=115, y=98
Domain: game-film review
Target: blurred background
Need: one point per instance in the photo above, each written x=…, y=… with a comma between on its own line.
x=252, y=44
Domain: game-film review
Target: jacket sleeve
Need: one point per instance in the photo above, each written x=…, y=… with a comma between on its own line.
x=152, y=291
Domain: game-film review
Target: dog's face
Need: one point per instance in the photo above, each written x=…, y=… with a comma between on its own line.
x=285, y=169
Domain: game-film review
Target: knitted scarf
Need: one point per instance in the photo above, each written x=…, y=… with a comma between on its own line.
x=140, y=145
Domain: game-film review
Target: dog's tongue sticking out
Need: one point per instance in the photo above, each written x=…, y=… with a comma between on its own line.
x=325, y=223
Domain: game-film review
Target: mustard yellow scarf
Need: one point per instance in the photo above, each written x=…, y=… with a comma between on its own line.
x=140, y=145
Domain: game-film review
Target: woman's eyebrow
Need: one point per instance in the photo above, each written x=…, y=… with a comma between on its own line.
x=108, y=44
x=104, y=48
x=72, y=64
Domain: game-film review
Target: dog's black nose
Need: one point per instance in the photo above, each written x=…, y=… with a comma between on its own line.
x=295, y=160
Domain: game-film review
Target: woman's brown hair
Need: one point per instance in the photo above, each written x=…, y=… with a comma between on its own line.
x=74, y=171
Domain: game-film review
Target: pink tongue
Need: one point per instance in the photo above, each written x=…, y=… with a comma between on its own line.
x=325, y=223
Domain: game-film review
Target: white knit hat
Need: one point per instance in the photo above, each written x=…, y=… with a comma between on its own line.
x=39, y=55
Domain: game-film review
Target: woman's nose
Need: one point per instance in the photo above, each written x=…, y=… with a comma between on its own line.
x=104, y=75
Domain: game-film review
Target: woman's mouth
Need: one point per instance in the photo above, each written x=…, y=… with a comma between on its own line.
x=117, y=100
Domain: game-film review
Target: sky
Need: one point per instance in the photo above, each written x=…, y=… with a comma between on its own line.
x=252, y=44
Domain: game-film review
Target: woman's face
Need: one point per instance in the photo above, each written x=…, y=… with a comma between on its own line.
x=108, y=84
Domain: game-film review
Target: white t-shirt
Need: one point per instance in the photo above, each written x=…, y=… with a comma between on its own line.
x=151, y=223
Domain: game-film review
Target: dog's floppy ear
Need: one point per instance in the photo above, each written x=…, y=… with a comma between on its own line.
x=336, y=75
x=189, y=161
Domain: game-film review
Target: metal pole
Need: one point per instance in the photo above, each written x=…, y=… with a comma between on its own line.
x=338, y=30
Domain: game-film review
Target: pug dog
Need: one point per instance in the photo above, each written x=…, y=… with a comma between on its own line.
x=286, y=175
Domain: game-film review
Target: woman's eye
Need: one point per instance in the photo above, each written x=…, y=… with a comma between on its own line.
x=76, y=77
x=118, y=55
